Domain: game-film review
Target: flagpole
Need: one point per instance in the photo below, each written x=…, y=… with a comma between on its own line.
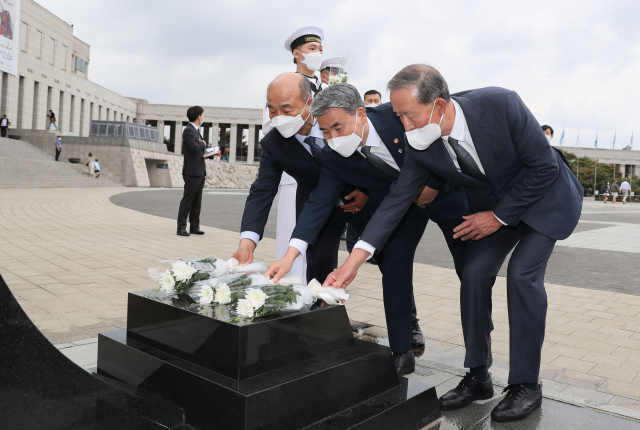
x=595, y=177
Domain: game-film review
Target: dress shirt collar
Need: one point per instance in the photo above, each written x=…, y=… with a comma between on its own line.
x=457, y=132
x=373, y=139
x=197, y=128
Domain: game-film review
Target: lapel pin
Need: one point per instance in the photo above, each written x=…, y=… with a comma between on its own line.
x=400, y=150
x=396, y=140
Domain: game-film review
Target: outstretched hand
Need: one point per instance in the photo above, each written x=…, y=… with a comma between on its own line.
x=244, y=254
x=345, y=274
x=477, y=226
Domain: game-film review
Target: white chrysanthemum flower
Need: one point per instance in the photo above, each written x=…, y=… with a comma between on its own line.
x=223, y=294
x=233, y=264
x=167, y=282
x=256, y=297
x=207, y=311
x=206, y=295
x=183, y=270
x=222, y=313
x=244, y=308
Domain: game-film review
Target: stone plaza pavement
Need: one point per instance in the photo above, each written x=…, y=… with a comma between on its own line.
x=70, y=256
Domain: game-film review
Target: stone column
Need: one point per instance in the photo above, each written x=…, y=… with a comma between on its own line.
x=54, y=104
x=40, y=110
x=77, y=115
x=251, y=143
x=233, y=143
x=215, y=131
x=65, y=118
x=161, y=129
x=85, y=127
x=9, y=103
x=25, y=104
x=177, y=149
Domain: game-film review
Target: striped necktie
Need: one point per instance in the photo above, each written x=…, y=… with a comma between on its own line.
x=315, y=148
x=466, y=162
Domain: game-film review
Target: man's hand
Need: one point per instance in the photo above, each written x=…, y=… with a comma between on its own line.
x=477, y=226
x=281, y=267
x=244, y=254
x=356, y=205
x=426, y=196
x=345, y=274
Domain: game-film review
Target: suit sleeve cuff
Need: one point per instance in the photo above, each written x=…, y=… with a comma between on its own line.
x=250, y=235
x=365, y=247
x=501, y=222
x=300, y=245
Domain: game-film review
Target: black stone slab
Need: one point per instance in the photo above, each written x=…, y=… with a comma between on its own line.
x=42, y=389
x=286, y=398
x=238, y=351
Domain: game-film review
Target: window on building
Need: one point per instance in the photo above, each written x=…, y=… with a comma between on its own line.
x=81, y=65
x=40, y=42
x=54, y=42
x=24, y=36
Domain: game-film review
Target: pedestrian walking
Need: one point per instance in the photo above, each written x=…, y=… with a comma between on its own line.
x=52, y=120
x=615, y=189
x=89, y=164
x=96, y=168
x=625, y=187
x=58, y=147
x=4, y=125
x=606, y=189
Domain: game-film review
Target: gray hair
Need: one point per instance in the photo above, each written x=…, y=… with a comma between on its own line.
x=427, y=82
x=343, y=96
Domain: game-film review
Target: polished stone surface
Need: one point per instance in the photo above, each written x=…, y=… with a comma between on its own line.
x=288, y=398
x=41, y=389
x=236, y=350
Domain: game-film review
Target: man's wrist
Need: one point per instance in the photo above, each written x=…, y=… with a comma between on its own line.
x=357, y=257
x=248, y=243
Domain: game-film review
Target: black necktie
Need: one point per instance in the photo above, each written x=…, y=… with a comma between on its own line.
x=315, y=148
x=379, y=163
x=466, y=162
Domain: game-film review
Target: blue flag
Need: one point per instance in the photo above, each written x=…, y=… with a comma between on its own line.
x=614, y=139
x=562, y=137
x=596, y=139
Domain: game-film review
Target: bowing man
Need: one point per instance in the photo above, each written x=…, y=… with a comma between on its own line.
x=366, y=149
x=289, y=148
x=523, y=197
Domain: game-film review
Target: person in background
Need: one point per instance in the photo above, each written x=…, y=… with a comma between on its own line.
x=606, y=190
x=372, y=98
x=89, y=164
x=548, y=131
x=58, y=147
x=224, y=154
x=4, y=125
x=625, y=187
x=52, y=120
x=331, y=67
x=615, y=189
x=96, y=168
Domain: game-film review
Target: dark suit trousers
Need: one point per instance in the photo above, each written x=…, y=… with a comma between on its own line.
x=3, y=130
x=395, y=261
x=191, y=202
x=352, y=237
x=322, y=258
x=58, y=151
x=526, y=298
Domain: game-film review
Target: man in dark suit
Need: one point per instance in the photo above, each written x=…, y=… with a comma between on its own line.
x=290, y=148
x=366, y=148
x=193, y=173
x=522, y=196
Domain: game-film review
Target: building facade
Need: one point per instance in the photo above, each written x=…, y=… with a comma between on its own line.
x=628, y=162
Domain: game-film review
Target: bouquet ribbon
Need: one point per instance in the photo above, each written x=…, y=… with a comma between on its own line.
x=330, y=295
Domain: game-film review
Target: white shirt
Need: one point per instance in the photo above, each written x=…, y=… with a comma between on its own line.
x=5, y=122
x=625, y=186
x=378, y=148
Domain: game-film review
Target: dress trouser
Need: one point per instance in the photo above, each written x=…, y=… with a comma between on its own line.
x=321, y=259
x=395, y=261
x=352, y=237
x=58, y=153
x=3, y=131
x=191, y=202
x=526, y=298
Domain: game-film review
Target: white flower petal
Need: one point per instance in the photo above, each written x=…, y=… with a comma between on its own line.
x=244, y=308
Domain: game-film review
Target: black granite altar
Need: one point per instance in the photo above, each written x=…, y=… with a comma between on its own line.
x=235, y=350
x=41, y=389
x=287, y=372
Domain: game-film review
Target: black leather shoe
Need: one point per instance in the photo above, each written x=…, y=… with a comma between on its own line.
x=405, y=363
x=417, y=339
x=196, y=231
x=519, y=402
x=183, y=232
x=468, y=391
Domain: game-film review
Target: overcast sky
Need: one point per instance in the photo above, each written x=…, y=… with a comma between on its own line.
x=576, y=64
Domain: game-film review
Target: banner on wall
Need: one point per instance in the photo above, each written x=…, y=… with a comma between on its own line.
x=9, y=35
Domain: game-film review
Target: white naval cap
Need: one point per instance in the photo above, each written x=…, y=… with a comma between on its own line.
x=335, y=62
x=303, y=35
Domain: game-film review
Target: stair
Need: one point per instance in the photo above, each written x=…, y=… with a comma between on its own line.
x=23, y=165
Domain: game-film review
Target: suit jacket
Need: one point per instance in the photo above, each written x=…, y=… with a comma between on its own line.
x=193, y=153
x=356, y=170
x=279, y=155
x=528, y=181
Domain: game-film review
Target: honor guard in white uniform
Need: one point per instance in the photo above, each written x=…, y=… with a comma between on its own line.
x=305, y=44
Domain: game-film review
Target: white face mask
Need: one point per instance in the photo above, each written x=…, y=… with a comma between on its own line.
x=422, y=138
x=313, y=60
x=289, y=125
x=347, y=145
x=371, y=105
x=548, y=137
